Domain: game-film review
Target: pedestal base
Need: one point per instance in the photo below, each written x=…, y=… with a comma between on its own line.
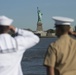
x=39, y=26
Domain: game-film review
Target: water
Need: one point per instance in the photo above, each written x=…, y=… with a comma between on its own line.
x=32, y=63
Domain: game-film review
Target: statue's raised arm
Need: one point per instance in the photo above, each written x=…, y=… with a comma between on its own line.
x=39, y=15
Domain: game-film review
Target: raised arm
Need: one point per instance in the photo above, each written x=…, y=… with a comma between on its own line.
x=25, y=39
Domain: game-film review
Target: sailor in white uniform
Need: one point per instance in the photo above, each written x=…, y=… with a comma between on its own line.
x=12, y=48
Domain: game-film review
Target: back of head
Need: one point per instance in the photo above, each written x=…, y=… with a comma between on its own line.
x=4, y=29
x=63, y=28
x=62, y=24
x=5, y=22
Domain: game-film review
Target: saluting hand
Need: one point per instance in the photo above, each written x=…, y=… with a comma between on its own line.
x=12, y=28
x=72, y=33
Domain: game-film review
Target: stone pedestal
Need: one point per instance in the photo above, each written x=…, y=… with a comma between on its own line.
x=39, y=26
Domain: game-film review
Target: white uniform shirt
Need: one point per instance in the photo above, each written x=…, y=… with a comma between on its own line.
x=12, y=49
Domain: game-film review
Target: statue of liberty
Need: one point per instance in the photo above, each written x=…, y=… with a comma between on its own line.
x=39, y=15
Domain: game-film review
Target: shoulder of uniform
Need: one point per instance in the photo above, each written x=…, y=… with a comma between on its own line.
x=56, y=44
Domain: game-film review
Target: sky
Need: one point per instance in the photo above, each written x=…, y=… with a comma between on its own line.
x=24, y=12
